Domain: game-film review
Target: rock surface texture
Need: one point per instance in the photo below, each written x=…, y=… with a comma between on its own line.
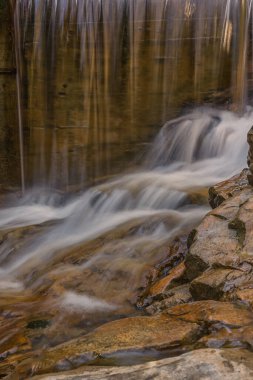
x=230, y=364
x=250, y=156
x=197, y=311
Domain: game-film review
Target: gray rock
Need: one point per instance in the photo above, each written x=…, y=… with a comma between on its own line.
x=228, y=364
x=224, y=239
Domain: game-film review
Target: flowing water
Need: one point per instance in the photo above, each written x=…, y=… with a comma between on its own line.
x=93, y=253
x=98, y=79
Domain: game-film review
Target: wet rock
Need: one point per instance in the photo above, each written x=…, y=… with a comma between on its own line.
x=13, y=340
x=38, y=324
x=218, y=265
x=163, y=284
x=220, y=258
x=229, y=364
x=227, y=313
x=209, y=285
x=110, y=267
x=175, y=296
x=14, y=239
x=244, y=295
x=136, y=333
x=197, y=196
x=227, y=189
x=214, y=283
x=225, y=338
x=239, y=226
x=224, y=238
x=213, y=244
x=15, y=343
x=170, y=272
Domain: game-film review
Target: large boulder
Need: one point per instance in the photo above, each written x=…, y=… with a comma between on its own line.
x=224, y=239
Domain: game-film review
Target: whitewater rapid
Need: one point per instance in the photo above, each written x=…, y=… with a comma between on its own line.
x=189, y=154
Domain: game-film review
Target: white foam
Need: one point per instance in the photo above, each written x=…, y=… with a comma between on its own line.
x=149, y=193
x=85, y=303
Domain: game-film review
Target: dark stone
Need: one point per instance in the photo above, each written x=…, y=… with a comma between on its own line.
x=239, y=226
x=191, y=238
x=38, y=324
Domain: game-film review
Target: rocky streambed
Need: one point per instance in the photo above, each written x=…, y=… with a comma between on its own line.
x=196, y=312
x=188, y=317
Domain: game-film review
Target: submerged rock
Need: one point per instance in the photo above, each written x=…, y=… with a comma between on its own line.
x=183, y=326
x=128, y=334
x=201, y=301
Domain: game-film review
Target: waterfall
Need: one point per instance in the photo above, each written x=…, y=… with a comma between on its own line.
x=19, y=60
x=102, y=76
x=177, y=165
x=131, y=110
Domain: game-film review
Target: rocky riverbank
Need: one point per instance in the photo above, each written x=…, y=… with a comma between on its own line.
x=193, y=316
x=201, y=300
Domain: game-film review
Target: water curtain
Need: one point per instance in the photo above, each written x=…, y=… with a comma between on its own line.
x=99, y=76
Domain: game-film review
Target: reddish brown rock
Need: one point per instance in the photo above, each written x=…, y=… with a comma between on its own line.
x=245, y=295
x=227, y=313
x=135, y=333
x=163, y=284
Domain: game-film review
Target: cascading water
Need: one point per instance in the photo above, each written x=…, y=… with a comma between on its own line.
x=144, y=209
x=18, y=59
x=100, y=77
x=125, y=66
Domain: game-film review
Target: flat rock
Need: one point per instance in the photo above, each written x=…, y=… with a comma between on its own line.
x=128, y=334
x=227, y=313
x=229, y=364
